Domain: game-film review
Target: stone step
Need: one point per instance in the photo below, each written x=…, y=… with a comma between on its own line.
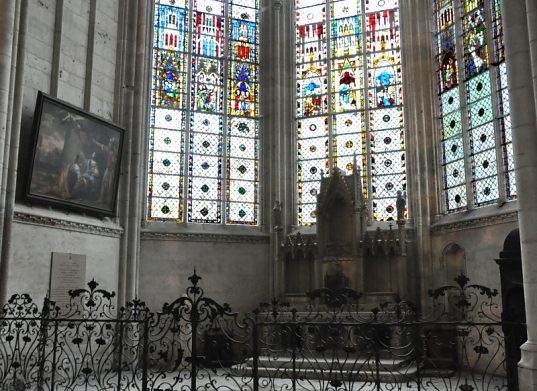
x=359, y=369
x=324, y=363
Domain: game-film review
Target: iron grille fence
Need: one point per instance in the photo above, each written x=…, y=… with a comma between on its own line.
x=335, y=342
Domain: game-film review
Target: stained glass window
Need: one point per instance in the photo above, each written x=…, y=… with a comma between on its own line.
x=474, y=104
x=204, y=130
x=349, y=99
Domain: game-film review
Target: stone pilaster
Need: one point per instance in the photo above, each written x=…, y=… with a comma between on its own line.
x=521, y=91
x=12, y=56
x=134, y=59
x=7, y=20
x=277, y=126
x=531, y=14
x=418, y=79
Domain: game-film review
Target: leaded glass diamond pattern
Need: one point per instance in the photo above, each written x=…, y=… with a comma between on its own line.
x=454, y=149
x=451, y=101
x=480, y=112
x=456, y=198
x=482, y=138
x=452, y=124
x=479, y=87
x=476, y=102
x=484, y=164
x=455, y=174
x=486, y=191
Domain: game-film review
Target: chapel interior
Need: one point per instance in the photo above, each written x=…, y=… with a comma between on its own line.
x=279, y=146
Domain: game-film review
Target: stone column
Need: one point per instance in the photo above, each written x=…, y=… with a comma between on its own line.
x=524, y=124
x=531, y=13
x=11, y=147
x=134, y=60
x=419, y=87
x=12, y=60
x=7, y=21
x=277, y=127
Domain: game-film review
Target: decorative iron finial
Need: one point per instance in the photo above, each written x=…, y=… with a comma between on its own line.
x=194, y=278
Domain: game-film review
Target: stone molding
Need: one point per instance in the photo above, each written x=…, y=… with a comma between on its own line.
x=478, y=222
x=73, y=226
x=205, y=237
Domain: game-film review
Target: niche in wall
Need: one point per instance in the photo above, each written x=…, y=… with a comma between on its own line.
x=453, y=262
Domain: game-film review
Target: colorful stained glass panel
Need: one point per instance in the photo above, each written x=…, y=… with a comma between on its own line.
x=193, y=103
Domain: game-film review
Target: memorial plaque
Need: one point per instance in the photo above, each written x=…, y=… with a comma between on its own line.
x=68, y=271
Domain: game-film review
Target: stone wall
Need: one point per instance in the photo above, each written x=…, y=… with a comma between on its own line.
x=480, y=234
x=87, y=53
x=71, y=48
x=234, y=268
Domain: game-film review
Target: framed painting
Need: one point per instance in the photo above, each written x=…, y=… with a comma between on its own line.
x=75, y=159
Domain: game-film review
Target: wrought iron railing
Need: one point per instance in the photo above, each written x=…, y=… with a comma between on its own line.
x=194, y=343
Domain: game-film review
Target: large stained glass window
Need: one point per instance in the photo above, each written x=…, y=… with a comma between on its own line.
x=477, y=153
x=349, y=99
x=204, y=130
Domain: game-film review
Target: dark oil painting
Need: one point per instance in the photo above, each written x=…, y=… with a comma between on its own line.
x=76, y=158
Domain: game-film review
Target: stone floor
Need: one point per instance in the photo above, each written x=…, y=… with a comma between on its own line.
x=224, y=381
x=220, y=380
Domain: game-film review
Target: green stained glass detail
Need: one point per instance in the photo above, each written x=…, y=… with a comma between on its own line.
x=468, y=111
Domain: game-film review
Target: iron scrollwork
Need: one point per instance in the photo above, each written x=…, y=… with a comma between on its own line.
x=334, y=342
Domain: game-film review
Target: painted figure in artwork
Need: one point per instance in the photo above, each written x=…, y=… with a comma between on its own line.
x=241, y=89
x=449, y=71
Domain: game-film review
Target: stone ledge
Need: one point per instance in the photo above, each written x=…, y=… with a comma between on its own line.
x=104, y=229
x=205, y=237
x=474, y=222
